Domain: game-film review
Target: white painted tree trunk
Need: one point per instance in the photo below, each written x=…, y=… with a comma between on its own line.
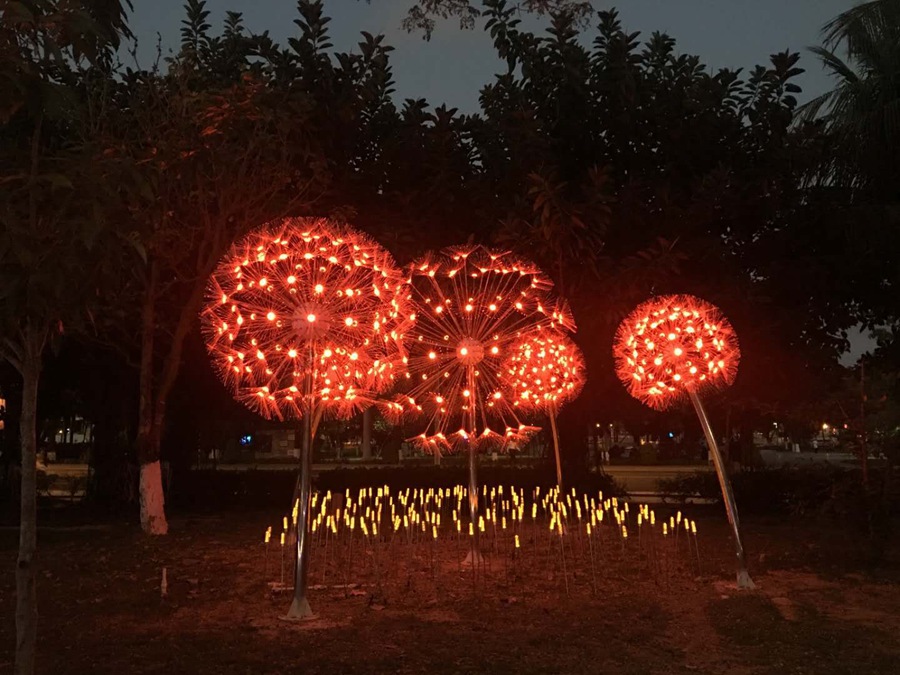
x=151, y=414
x=153, y=514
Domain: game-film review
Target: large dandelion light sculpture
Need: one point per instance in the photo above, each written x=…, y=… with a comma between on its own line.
x=471, y=305
x=305, y=318
x=543, y=371
x=674, y=345
x=674, y=348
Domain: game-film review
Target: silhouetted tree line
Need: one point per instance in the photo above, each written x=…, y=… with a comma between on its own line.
x=624, y=168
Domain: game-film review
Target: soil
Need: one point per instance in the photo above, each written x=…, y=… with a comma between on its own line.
x=650, y=605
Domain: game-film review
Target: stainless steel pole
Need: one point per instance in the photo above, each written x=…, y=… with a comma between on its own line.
x=743, y=576
x=474, y=555
x=300, y=608
x=559, y=479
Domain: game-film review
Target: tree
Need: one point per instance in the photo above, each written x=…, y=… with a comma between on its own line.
x=861, y=115
x=239, y=130
x=625, y=159
x=203, y=152
x=422, y=15
x=49, y=235
x=566, y=224
x=387, y=170
x=703, y=191
x=882, y=393
x=851, y=134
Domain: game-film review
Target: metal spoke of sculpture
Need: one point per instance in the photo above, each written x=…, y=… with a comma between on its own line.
x=543, y=371
x=677, y=347
x=306, y=318
x=471, y=304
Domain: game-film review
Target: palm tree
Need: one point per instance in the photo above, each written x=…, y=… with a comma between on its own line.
x=861, y=115
x=852, y=26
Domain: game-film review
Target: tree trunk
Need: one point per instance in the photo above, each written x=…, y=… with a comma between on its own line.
x=29, y=367
x=153, y=515
x=155, y=392
x=26, y=597
x=863, y=449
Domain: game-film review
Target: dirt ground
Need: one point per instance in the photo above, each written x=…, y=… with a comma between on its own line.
x=648, y=606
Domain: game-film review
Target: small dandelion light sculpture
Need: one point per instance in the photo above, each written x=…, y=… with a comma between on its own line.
x=543, y=371
x=676, y=347
x=471, y=305
x=306, y=318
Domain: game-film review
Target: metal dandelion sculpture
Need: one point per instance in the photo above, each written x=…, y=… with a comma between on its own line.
x=471, y=305
x=677, y=347
x=673, y=346
x=543, y=371
x=304, y=319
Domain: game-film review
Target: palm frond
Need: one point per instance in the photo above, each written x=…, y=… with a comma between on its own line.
x=856, y=26
x=835, y=64
x=812, y=109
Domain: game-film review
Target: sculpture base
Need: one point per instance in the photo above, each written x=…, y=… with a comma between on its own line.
x=299, y=611
x=472, y=554
x=744, y=582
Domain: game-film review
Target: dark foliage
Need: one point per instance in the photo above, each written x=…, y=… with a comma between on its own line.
x=867, y=512
x=214, y=490
x=622, y=166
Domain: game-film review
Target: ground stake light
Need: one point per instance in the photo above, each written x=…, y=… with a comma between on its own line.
x=676, y=347
x=306, y=318
x=471, y=306
x=543, y=371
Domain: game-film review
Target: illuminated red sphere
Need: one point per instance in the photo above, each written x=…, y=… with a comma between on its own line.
x=543, y=371
x=305, y=314
x=672, y=345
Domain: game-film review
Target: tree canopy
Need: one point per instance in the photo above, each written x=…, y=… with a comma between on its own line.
x=623, y=166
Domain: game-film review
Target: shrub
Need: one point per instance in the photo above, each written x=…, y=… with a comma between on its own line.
x=762, y=491
x=867, y=513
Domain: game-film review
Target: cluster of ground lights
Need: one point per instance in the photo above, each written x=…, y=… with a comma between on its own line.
x=378, y=538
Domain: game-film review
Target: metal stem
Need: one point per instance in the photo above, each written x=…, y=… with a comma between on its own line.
x=300, y=608
x=743, y=576
x=474, y=556
x=555, y=433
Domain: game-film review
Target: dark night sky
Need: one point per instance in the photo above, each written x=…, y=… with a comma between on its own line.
x=455, y=64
